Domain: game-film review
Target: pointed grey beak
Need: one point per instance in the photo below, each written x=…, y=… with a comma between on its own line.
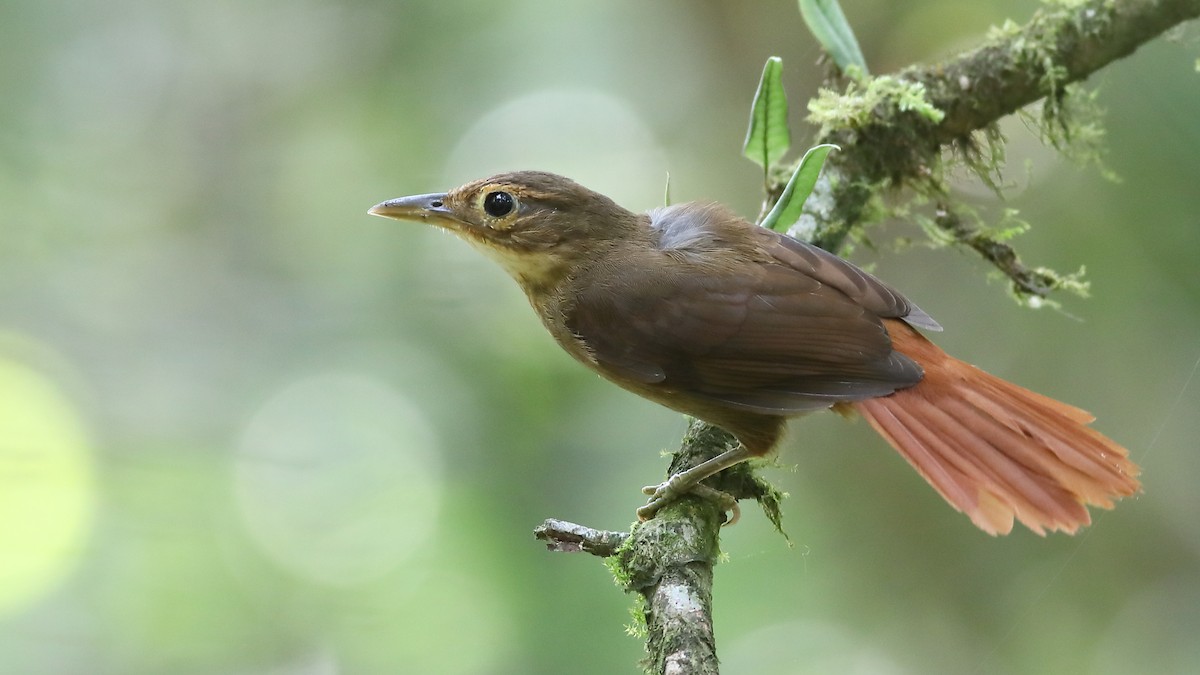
x=417, y=207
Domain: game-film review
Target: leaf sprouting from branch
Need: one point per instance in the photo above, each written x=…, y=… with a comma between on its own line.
x=786, y=211
x=768, y=138
x=828, y=24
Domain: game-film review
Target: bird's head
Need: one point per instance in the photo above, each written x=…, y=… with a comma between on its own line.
x=536, y=225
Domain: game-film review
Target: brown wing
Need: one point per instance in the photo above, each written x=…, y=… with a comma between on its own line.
x=857, y=285
x=701, y=227
x=769, y=338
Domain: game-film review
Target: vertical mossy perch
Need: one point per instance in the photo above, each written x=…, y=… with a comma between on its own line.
x=668, y=562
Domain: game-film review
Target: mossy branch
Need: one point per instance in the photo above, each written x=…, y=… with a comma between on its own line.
x=894, y=129
x=1065, y=42
x=991, y=245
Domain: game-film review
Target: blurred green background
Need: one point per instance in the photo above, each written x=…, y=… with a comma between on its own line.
x=246, y=428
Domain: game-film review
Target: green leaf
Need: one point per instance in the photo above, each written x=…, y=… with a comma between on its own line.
x=786, y=211
x=829, y=26
x=768, y=138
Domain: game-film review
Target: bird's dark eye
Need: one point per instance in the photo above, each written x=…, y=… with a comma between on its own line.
x=498, y=204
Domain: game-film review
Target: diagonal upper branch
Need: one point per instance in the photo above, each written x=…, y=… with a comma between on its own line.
x=893, y=129
x=1060, y=45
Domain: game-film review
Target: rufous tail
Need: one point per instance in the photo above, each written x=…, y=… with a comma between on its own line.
x=997, y=451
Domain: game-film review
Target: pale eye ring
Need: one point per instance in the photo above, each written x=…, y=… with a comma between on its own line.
x=499, y=204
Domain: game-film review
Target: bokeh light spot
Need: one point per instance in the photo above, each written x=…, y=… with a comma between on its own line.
x=46, y=486
x=338, y=478
x=591, y=136
x=450, y=622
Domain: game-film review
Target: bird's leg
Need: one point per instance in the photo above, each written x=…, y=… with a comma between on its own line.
x=689, y=481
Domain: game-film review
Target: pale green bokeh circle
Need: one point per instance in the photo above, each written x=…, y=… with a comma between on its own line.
x=588, y=135
x=338, y=478
x=46, y=487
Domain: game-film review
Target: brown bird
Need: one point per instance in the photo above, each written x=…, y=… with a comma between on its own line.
x=699, y=310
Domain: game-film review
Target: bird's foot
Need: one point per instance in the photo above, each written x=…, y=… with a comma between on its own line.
x=677, y=486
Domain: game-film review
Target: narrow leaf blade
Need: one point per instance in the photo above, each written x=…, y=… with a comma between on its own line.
x=768, y=138
x=786, y=211
x=828, y=24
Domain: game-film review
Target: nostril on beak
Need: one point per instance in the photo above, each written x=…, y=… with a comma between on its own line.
x=437, y=203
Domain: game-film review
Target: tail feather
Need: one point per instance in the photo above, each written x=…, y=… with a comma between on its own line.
x=997, y=451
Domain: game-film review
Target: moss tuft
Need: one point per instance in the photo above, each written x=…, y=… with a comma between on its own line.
x=866, y=101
